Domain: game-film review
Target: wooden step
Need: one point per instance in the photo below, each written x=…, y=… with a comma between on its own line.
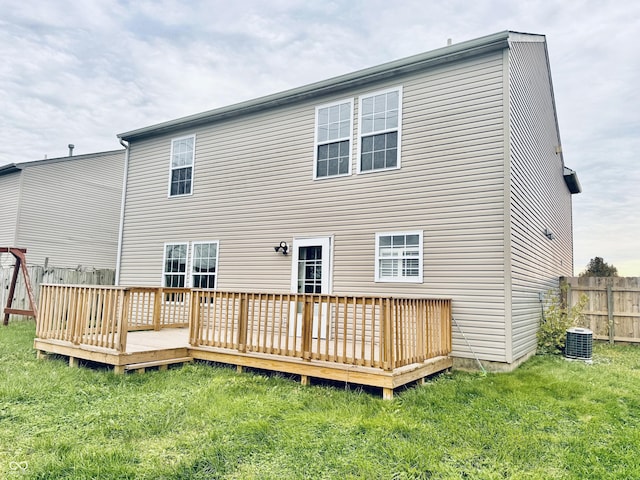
x=157, y=363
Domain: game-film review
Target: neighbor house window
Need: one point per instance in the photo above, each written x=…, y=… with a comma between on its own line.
x=204, y=264
x=380, y=118
x=399, y=257
x=182, y=158
x=175, y=265
x=333, y=139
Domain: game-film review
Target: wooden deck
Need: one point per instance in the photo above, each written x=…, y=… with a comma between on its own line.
x=376, y=341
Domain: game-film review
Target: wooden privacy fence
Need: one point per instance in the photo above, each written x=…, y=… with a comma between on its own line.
x=377, y=332
x=40, y=275
x=613, y=308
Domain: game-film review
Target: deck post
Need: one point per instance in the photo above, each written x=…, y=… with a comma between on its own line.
x=387, y=322
x=194, y=319
x=123, y=327
x=387, y=393
x=307, y=326
x=242, y=322
x=157, y=308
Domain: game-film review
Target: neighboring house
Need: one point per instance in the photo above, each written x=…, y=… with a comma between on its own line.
x=64, y=211
x=438, y=175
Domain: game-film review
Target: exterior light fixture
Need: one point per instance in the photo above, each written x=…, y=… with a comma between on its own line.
x=549, y=234
x=283, y=247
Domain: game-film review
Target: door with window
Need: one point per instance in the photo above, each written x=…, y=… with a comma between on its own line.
x=310, y=273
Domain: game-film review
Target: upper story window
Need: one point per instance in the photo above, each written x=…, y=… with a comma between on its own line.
x=182, y=159
x=204, y=264
x=380, y=119
x=399, y=257
x=175, y=265
x=334, y=129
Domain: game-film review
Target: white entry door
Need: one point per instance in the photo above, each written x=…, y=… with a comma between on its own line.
x=310, y=273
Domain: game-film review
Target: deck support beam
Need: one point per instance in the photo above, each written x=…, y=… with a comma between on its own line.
x=387, y=393
x=305, y=380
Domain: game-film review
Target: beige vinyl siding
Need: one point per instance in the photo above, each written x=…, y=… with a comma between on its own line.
x=70, y=210
x=254, y=187
x=9, y=205
x=539, y=196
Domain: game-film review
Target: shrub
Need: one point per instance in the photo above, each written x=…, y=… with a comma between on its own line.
x=555, y=319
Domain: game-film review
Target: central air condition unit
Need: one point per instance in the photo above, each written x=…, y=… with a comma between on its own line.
x=579, y=344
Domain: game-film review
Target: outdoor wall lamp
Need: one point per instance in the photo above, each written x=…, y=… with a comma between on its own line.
x=549, y=234
x=283, y=247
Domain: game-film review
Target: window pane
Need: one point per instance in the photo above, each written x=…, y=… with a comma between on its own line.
x=392, y=139
x=323, y=152
x=392, y=119
x=380, y=104
x=367, y=125
x=392, y=100
x=378, y=142
x=334, y=114
x=343, y=167
x=391, y=158
x=367, y=144
x=321, y=168
x=323, y=133
x=333, y=167
x=367, y=106
x=323, y=116
x=344, y=129
x=378, y=160
x=367, y=161
x=345, y=111
x=379, y=122
x=344, y=149
x=334, y=148
x=384, y=241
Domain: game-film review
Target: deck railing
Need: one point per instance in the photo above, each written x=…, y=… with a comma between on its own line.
x=377, y=332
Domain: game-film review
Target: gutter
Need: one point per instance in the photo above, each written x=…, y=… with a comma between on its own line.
x=122, y=205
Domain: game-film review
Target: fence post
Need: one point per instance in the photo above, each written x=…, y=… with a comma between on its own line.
x=612, y=327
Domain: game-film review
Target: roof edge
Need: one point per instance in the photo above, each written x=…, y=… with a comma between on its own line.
x=14, y=167
x=496, y=41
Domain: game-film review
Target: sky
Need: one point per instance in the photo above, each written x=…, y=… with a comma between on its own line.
x=81, y=72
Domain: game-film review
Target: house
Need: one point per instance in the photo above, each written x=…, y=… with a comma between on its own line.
x=64, y=211
x=437, y=175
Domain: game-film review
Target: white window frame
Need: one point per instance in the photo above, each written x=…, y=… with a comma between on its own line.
x=172, y=168
x=164, y=264
x=192, y=263
x=397, y=129
x=318, y=143
x=400, y=279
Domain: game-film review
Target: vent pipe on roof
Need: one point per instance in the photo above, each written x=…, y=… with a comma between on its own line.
x=449, y=42
x=71, y=147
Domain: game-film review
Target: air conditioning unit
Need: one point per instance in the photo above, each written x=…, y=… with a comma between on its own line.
x=579, y=345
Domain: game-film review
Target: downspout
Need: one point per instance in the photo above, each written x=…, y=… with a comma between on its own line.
x=122, y=205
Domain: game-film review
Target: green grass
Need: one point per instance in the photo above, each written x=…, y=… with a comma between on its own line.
x=549, y=419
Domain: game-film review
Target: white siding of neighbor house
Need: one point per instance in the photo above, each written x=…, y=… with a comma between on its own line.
x=254, y=187
x=70, y=210
x=9, y=203
x=539, y=196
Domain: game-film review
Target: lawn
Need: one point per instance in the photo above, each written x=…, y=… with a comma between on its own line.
x=549, y=419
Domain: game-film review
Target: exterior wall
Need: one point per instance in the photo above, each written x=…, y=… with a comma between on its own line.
x=254, y=187
x=539, y=197
x=70, y=210
x=9, y=206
